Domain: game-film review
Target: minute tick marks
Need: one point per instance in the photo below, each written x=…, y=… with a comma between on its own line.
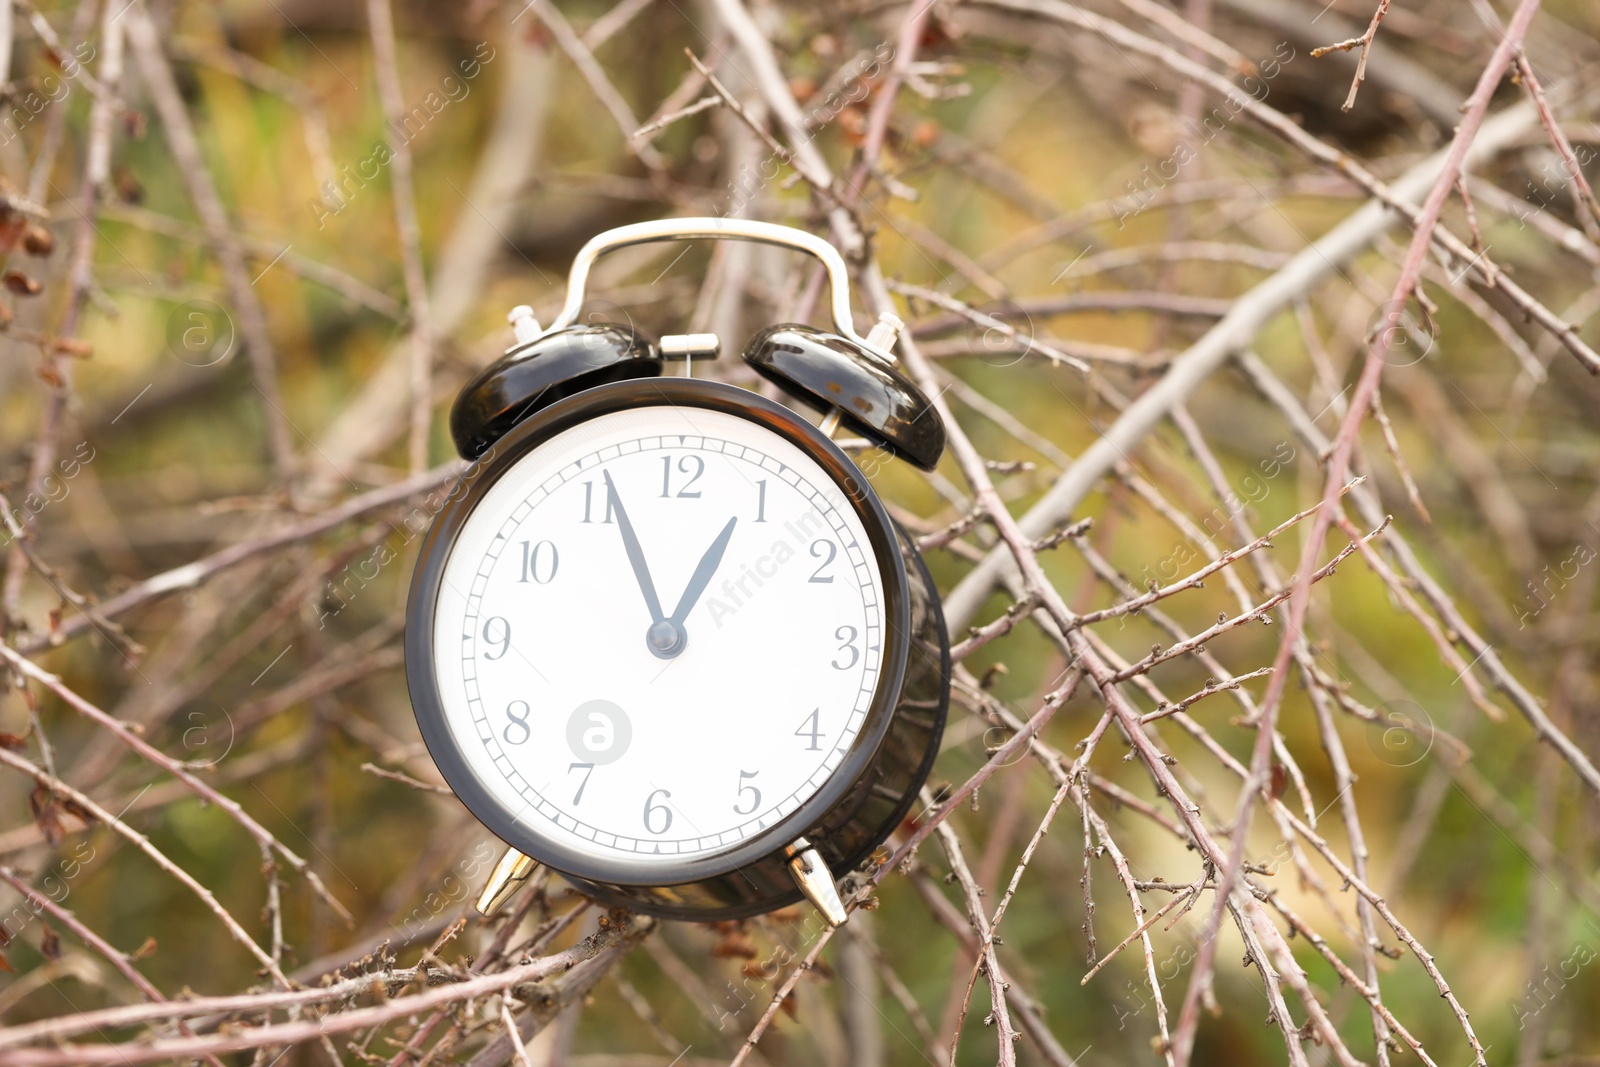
x=753, y=645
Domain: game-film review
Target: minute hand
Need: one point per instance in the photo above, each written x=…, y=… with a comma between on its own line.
x=702, y=574
x=630, y=541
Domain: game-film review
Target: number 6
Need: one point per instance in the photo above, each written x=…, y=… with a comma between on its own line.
x=650, y=806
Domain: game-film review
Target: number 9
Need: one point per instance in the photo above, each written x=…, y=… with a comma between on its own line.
x=503, y=639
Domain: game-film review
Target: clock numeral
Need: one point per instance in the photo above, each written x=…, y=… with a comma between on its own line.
x=815, y=733
x=516, y=722
x=531, y=565
x=588, y=503
x=761, y=500
x=651, y=808
x=504, y=640
x=588, y=769
x=755, y=794
x=817, y=549
x=684, y=462
x=847, y=636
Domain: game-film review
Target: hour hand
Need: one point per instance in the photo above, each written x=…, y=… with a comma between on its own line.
x=702, y=574
x=630, y=541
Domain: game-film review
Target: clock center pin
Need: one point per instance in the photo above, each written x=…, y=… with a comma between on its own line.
x=666, y=638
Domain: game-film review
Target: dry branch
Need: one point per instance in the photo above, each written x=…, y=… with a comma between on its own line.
x=1077, y=345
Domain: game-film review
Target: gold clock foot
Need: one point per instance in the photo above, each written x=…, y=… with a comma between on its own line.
x=507, y=877
x=816, y=882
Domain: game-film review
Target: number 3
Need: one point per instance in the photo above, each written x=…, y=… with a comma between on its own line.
x=847, y=635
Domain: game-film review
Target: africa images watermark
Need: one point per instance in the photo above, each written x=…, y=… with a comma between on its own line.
x=336, y=196
x=341, y=590
x=854, y=88
x=56, y=885
x=29, y=101
x=52, y=488
x=736, y=591
x=1554, y=183
x=1542, y=990
x=453, y=889
x=756, y=976
x=1141, y=192
x=1546, y=591
x=1255, y=491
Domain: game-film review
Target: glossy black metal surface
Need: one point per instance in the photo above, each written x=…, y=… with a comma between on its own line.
x=543, y=372
x=873, y=787
x=875, y=400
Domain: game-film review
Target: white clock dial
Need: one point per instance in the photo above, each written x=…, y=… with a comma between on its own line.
x=674, y=696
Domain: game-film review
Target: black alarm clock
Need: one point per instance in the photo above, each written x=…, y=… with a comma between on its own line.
x=667, y=641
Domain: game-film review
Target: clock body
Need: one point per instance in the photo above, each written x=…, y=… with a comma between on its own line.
x=664, y=629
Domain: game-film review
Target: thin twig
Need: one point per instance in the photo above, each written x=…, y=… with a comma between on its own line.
x=380, y=19
x=1364, y=42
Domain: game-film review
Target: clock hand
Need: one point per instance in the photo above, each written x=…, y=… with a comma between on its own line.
x=630, y=541
x=702, y=574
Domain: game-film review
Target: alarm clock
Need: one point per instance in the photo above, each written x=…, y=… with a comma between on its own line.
x=666, y=639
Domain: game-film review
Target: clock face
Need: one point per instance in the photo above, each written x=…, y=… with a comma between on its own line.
x=657, y=634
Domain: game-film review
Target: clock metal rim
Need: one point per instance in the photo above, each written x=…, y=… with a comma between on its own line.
x=499, y=460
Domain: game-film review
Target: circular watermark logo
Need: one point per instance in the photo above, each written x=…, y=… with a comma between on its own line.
x=984, y=744
x=599, y=732
x=601, y=312
x=1401, y=336
x=1402, y=734
x=1007, y=336
x=200, y=333
x=204, y=732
